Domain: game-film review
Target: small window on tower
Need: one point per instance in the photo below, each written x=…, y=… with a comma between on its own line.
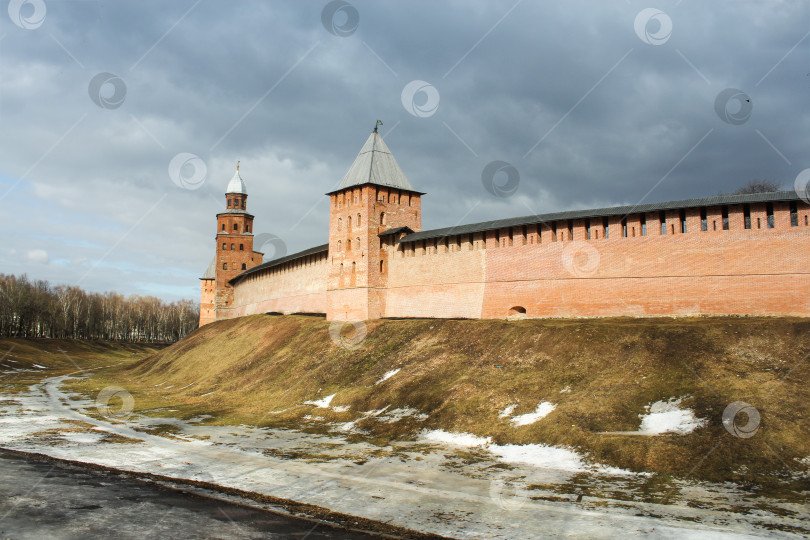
x=382, y=218
x=241, y=247
x=358, y=220
x=233, y=247
x=223, y=226
x=224, y=266
x=224, y=246
x=244, y=266
x=235, y=227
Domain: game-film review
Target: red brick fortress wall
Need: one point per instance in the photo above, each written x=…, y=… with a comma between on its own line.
x=297, y=286
x=555, y=270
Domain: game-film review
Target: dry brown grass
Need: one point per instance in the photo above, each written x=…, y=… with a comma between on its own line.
x=463, y=373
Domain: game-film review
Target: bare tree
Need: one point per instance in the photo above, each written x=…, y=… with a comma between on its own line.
x=758, y=186
x=35, y=309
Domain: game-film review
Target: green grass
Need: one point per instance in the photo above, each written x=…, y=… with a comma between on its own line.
x=463, y=373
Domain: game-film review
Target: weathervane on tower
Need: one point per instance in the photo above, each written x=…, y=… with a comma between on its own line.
x=237, y=165
x=379, y=123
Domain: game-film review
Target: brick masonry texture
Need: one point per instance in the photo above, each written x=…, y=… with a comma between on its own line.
x=547, y=270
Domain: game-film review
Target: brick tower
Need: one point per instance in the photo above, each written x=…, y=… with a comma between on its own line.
x=373, y=204
x=234, y=252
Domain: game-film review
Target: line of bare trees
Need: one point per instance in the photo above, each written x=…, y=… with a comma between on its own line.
x=37, y=309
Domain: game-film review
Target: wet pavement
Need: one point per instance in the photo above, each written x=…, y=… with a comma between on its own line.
x=44, y=499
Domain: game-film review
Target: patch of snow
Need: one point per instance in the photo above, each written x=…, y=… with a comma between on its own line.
x=208, y=394
x=387, y=376
x=347, y=427
x=322, y=403
x=507, y=411
x=668, y=417
x=39, y=367
x=539, y=455
x=467, y=440
x=82, y=438
x=341, y=408
x=396, y=415
x=542, y=410
x=186, y=386
x=377, y=412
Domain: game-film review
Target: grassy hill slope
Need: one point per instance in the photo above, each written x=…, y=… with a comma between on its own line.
x=601, y=374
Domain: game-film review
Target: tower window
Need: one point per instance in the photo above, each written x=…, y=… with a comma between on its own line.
x=587, y=228
x=223, y=226
x=224, y=246
x=662, y=217
x=224, y=266
x=382, y=267
x=747, y=215
x=769, y=215
x=235, y=227
x=358, y=220
x=243, y=203
x=241, y=247
x=605, y=228
x=570, y=229
x=340, y=223
x=724, y=212
x=244, y=266
x=349, y=223
x=624, y=227
x=794, y=214
x=683, y=221
x=382, y=218
x=643, y=219
x=349, y=245
x=704, y=222
x=233, y=247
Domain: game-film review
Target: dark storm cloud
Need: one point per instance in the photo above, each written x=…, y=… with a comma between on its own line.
x=586, y=111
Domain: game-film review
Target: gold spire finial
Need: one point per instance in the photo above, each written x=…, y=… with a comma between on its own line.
x=237, y=165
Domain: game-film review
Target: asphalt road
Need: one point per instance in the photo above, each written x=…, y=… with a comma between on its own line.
x=42, y=499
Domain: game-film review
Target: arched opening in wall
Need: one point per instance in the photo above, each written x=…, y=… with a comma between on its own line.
x=235, y=227
x=382, y=218
x=349, y=244
x=517, y=312
x=358, y=220
x=223, y=226
x=244, y=266
x=382, y=267
x=224, y=266
x=349, y=223
x=340, y=223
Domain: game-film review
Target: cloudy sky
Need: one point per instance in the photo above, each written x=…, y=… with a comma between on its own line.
x=588, y=104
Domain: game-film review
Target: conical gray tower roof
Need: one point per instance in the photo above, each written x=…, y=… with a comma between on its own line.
x=375, y=165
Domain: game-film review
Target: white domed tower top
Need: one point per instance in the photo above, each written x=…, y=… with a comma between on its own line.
x=236, y=185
